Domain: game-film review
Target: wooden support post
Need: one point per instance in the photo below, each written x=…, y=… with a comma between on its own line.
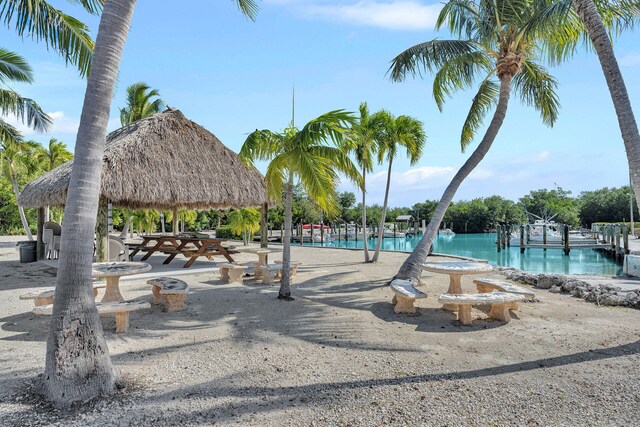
x=521, y=239
x=618, y=248
x=567, y=246
x=39, y=241
x=174, y=223
x=544, y=236
x=356, y=236
x=508, y=240
x=322, y=233
x=302, y=232
x=394, y=229
x=528, y=233
x=102, y=235
x=625, y=238
x=498, y=230
x=505, y=237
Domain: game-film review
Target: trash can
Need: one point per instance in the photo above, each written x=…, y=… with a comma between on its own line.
x=28, y=251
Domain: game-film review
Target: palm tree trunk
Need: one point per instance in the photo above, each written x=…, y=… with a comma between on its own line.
x=589, y=15
x=285, y=282
x=78, y=366
x=364, y=217
x=411, y=267
x=384, y=214
x=23, y=218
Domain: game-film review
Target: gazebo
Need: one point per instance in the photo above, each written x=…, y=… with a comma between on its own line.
x=166, y=162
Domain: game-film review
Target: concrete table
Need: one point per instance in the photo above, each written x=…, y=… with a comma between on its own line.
x=112, y=271
x=455, y=270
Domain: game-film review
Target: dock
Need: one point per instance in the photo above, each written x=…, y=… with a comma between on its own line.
x=612, y=238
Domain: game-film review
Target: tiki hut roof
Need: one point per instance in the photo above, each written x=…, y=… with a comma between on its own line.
x=161, y=162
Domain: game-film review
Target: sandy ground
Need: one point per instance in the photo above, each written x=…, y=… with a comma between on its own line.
x=338, y=355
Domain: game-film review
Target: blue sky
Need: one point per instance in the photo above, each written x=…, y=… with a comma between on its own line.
x=232, y=76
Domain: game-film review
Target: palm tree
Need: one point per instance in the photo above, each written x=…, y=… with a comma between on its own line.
x=303, y=156
x=495, y=39
x=52, y=156
x=245, y=222
x=363, y=141
x=139, y=103
x=78, y=366
x=138, y=106
x=628, y=12
x=403, y=131
x=39, y=20
x=17, y=158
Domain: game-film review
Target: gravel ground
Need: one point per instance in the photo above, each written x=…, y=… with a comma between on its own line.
x=337, y=355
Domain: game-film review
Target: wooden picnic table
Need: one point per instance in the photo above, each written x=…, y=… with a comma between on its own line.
x=111, y=272
x=188, y=246
x=455, y=270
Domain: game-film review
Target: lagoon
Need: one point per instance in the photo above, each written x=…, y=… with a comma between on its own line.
x=483, y=246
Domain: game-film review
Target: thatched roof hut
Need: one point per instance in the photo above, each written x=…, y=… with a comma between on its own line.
x=163, y=162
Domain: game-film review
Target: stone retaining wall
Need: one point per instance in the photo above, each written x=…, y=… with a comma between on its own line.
x=607, y=294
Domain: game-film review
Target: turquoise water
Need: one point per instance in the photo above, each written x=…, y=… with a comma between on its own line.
x=579, y=261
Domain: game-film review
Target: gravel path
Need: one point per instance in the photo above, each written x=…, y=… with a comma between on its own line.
x=338, y=355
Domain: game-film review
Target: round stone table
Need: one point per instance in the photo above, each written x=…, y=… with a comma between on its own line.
x=112, y=271
x=455, y=270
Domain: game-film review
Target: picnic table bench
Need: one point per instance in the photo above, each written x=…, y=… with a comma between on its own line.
x=45, y=296
x=232, y=273
x=405, y=295
x=190, y=246
x=170, y=292
x=120, y=309
x=499, y=304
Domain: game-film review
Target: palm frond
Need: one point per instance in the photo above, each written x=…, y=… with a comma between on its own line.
x=537, y=88
x=261, y=145
x=460, y=16
x=61, y=32
x=339, y=161
x=331, y=125
x=457, y=74
x=485, y=99
x=8, y=133
x=26, y=109
x=14, y=67
x=249, y=8
x=427, y=57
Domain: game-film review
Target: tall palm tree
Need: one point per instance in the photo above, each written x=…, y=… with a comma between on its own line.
x=402, y=131
x=78, y=366
x=495, y=40
x=52, y=156
x=17, y=158
x=140, y=103
x=625, y=13
x=363, y=141
x=303, y=157
x=41, y=21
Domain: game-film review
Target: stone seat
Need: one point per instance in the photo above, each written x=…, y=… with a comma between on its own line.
x=170, y=292
x=120, y=309
x=485, y=284
x=499, y=304
x=232, y=273
x=405, y=296
x=294, y=266
x=45, y=296
x=269, y=273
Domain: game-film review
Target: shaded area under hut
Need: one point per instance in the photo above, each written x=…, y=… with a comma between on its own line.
x=165, y=162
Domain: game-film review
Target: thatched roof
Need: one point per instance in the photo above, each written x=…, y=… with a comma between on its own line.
x=161, y=162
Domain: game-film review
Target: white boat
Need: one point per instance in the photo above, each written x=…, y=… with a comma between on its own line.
x=447, y=232
x=389, y=233
x=536, y=233
x=349, y=233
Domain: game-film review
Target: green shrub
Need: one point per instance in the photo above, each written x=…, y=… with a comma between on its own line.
x=225, y=232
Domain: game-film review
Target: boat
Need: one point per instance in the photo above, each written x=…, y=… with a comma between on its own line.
x=553, y=230
x=348, y=232
x=447, y=232
x=389, y=233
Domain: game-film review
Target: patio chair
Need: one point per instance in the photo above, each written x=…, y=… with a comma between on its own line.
x=118, y=251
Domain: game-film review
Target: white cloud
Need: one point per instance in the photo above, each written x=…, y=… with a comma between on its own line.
x=409, y=15
x=62, y=125
x=415, y=178
x=631, y=59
